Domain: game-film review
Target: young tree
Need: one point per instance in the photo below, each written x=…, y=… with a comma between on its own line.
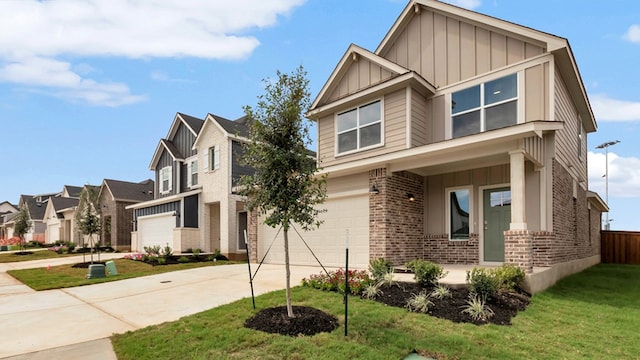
x=88, y=215
x=22, y=226
x=283, y=188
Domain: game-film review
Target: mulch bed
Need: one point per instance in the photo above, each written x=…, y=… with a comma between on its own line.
x=307, y=321
x=504, y=305
x=85, y=265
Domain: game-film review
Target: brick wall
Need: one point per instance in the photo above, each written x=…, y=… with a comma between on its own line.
x=518, y=245
x=252, y=234
x=395, y=223
x=439, y=249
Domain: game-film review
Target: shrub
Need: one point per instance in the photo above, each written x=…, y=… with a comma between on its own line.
x=419, y=302
x=379, y=267
x=387, y=279
x=508, y=277
x=152, y=250
x=477, y=309
x=335, y=281
x=196, y=253
x=426, y=273
x=371, y=291
x=211, y=258
x=482, y=282
x=161, y=260
x=167, y=251
x=70, y=247
x=183, y=259
x=441, y=292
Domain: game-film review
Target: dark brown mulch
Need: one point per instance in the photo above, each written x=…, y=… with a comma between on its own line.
x=504, y=305
x=307, y=321
x=85, y=265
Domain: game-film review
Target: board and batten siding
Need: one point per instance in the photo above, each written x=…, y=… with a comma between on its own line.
x=166, y=160
x=449, y=50
x=419, y=118
x=395, y=132
x=183, y=140
x=361, y=74
x=567, y=137
x=159, y=209
x=536, y=97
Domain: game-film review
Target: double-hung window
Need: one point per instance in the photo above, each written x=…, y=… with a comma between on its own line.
x=214, y=157
x=487, y=106
x=359, y=128
x=165, y=179
x=192, y=172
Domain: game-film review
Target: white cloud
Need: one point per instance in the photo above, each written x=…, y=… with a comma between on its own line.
x=34, y=35
x=608, y=109
x=624, y=175
x=633, y=34
x=467, y=4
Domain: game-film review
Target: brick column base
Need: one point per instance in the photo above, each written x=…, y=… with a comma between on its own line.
x=518, y=249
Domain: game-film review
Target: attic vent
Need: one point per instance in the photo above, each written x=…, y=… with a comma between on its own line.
x=416, y=8
x=354, y=56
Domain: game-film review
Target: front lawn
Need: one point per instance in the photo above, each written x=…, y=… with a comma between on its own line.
x=594, y=314
x=35, y=255
x=67, y=276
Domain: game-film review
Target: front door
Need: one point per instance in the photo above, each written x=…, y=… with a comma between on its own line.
x=497, y=217
x=242, y=228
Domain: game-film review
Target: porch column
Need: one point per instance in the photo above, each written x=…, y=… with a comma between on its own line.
x=518, y=219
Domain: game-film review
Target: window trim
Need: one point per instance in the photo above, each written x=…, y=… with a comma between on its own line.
x=520, y=95
x=447, y=201
x=212, y=158
x=169, y=170
x=190, y=161
x=336, y=133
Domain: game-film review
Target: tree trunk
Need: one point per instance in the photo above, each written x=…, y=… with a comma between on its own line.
x=288, y=272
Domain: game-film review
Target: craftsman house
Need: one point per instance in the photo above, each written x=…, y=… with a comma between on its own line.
x=461, y=139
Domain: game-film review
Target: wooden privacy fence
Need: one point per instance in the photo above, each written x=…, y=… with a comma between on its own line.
x=620, y=247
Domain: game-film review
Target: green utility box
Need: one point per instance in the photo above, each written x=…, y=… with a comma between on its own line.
x=96, y=271
x=111, y=268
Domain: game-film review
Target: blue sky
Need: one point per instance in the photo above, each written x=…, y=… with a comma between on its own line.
x=87, y=88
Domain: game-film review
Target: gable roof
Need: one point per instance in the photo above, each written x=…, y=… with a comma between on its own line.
x=128, y=191
x=238, y=128
x=36, y=209
x=7, y=205
x=73, y=191
x=193, y=124
x=61, y=203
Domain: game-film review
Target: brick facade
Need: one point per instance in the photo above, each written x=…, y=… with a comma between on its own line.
x=395, y=223
x=518, y=249
x=441, y=250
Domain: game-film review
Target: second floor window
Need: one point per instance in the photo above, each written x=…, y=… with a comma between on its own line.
x=192, y=173
x=359, y=128
x=165, y=179
x=214, y=157
x=488, y=106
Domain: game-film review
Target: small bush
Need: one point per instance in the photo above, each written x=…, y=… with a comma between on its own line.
x=196, y=253
x=441, y=292
x=167, y=251
x=371, y=291
x=482, y=282
x=426, y=273
x=152, y=250
x=211, y=258
x=335, y=281
x=419, y=302
x=183, y=259
x=379, y=267
x=70, y=247
x=387, y=279
x=508, y=277
x=477, y=309
x=161, y=260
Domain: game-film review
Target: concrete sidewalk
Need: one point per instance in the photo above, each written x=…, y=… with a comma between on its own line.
x=66, y=323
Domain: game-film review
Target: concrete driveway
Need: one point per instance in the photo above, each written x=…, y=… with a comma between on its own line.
x=66, y=323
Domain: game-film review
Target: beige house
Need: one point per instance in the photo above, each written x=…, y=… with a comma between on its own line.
x=462, y=139
x=197, y=167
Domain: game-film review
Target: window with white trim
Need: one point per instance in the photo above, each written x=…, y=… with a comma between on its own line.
x=487, y=106
x=214, y=157
x=165, y=179
x=359, y=128
x=459, y=213
x=192, y=172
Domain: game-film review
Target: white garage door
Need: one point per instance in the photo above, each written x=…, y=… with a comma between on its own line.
x=53, y=233
x=329, y=241
x=156, y=230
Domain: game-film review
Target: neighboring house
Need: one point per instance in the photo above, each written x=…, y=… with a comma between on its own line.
x=117, y=221
x=6, y=209
x=59, y=219
x=196, y=168
x=36, y=205
x=462, y=139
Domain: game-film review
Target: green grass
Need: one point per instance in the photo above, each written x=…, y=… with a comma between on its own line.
x=591, y=315
x=64, y=276
x=37, y=255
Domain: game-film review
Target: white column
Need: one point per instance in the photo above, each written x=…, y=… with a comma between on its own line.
x=518, y=206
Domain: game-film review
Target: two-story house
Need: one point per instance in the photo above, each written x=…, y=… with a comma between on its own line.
x=59, y=215
x=7, y=211
x=462, y=139
x=196, y=166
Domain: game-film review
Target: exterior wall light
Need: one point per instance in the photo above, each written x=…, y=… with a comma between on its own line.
x=411, y=197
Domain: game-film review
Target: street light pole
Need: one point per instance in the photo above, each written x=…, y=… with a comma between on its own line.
x=605, y=146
